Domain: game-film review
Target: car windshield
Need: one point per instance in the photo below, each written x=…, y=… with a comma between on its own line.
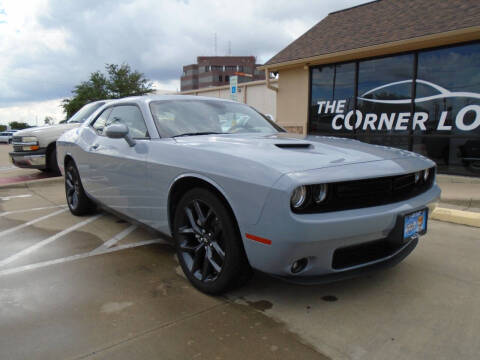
x=81, y=115
x=197, y=117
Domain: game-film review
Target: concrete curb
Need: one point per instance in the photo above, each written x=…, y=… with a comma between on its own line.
x=25, y=184
x=461, y=217
x=455, y=179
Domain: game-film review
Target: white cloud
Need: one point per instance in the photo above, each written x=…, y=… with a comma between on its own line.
x=49, y=46
x=33, y=112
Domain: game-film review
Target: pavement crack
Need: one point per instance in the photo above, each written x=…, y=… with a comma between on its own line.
x=40, y=195
x=149, y=331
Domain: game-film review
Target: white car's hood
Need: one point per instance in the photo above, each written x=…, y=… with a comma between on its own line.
x=58, y=129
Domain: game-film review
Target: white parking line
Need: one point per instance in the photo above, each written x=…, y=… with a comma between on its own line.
x=31, y=222
x=109, y=243
x=79, y=256
x=48, y=240
x=32, y=209
x=6, y=198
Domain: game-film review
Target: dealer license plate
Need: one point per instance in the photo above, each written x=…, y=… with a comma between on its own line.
x=415, y=224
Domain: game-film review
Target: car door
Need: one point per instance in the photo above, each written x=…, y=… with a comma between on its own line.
x=116, y=171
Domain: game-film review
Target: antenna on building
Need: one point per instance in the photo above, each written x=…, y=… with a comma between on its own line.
x=215, y=43
x=229, y=53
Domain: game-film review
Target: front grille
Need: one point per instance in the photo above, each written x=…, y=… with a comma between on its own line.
x=364, y=253
x=17, y=139
x=358, y=194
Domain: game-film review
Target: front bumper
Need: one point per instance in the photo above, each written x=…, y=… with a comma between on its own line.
x=30, y=160
x=375, y=232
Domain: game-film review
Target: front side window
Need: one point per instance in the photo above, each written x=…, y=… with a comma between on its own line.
x=181, y=117
x=100, y=124
x=129, y=115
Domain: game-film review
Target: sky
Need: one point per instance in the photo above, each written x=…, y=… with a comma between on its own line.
x=49, y=46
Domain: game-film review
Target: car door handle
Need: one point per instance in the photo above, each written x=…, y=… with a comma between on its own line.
x=94, y=147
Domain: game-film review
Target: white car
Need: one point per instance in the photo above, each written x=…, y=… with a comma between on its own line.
x=35, y=148
x=6, y=137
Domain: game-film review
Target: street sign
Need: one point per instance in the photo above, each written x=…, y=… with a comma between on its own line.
x=233, y=87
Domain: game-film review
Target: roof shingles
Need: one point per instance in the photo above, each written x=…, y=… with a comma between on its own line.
x=380, y=22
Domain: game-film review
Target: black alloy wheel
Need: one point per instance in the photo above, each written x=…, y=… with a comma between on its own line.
x=208, y=244
x=202, y=244
x=72, y=187
x=77, y=200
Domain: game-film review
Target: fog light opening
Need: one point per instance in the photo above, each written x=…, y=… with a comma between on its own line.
x=299, y=265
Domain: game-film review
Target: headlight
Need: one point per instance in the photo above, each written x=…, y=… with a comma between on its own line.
x=320, y=193
x=30, y=143
x=29, y=139
x=299, y=196
x=418, y=174
x=426, y=174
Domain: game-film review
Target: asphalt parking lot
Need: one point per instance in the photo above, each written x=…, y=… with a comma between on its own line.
x=98, y=287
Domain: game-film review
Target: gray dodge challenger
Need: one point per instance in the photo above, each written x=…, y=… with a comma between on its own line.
x=237, y=193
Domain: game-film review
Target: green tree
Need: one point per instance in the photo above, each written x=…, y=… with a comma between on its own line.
x=48, y=120
x=15, y=125
x=119, y=82
x=3, y=128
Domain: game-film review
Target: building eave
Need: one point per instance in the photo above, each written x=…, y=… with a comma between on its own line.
x=421, y=42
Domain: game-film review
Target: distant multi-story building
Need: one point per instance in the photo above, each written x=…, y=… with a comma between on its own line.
x=216, y=71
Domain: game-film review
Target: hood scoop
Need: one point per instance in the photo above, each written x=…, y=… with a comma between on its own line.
x=294, y=146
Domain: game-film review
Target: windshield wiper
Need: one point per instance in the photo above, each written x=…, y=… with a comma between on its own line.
x=199, y=133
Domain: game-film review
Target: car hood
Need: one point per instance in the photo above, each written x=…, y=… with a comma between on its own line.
x=291, y=153
x=51, y=130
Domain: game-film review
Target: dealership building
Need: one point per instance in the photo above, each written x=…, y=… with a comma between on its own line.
x=401, y=73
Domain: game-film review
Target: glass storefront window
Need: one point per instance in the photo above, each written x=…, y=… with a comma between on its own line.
x=451, y=138
x=333, y=91
x=385, y=99
x=427, y=101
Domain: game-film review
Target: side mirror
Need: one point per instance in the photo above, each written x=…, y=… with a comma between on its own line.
x=270, y=117
x=119, y=131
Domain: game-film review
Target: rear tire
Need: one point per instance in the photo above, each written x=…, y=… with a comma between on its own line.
x=208, y=244
x=78, y=202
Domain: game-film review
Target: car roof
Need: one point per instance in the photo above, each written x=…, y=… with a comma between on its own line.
x=151, y=98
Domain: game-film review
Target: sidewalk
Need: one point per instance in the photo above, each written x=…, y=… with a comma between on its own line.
x=460, y=191
x=460, y=200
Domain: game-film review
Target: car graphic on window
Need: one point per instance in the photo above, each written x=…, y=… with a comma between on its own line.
x=398, y=92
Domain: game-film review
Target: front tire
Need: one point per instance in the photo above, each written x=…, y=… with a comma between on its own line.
x=78, y=202
x=52, y=165
x=208, y=244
